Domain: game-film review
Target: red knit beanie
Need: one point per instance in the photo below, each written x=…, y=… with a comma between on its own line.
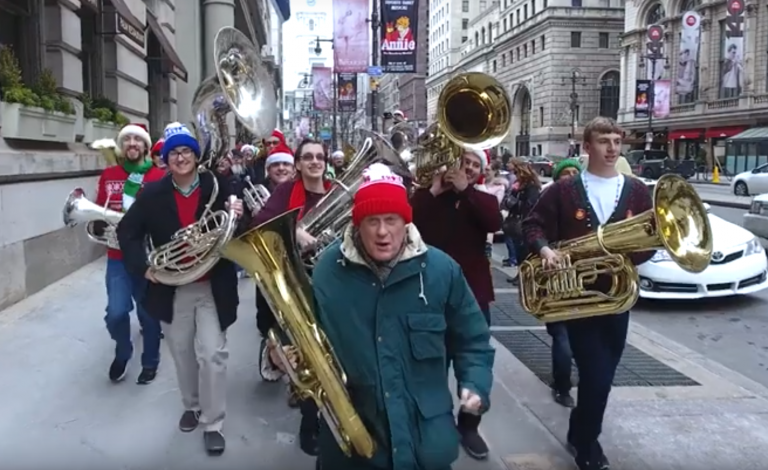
x=382, y=192
x=157, y=149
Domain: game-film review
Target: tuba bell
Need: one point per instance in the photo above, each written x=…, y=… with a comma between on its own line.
x=241, y=85
x=100, y=222
x=473, y=113
x=326, y=221
x=678, y=223
x=270, y=255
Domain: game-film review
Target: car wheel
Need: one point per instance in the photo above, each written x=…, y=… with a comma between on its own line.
x=648, y=173
x=740, y=189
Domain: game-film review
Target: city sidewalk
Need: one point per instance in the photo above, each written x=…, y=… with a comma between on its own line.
x=58, y=406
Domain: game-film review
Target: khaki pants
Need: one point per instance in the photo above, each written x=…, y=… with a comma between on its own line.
x=199, y=351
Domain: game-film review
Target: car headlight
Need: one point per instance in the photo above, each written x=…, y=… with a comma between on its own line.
x=661, y=256
x=753, y=247
x=758, y=208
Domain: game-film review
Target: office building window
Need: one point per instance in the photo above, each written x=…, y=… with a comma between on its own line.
x=463, y=39
x=465, y=24
x=541, y=116
x=576, y=3
x=609, y=95
x=543, y=42
x=19, y=22
x=533, y=47
x=465, y=6
x=575, y=39
x=533, y=7
x=603, y=41
x=91, y=52
x=494, y=65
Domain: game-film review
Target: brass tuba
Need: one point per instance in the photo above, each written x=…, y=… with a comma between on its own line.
x=326, y=221
x=473, y=113
x=241, y=85
x=78, y=209
x=678, y=223
x=269, y=254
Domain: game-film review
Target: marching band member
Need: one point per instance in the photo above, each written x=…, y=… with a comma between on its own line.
x=570, y=208
x=118, y=187
x=156, y=153
x=338, y=163
x=196, y=316
x=258, y=169
x=280, y=167
x=301, y=193
x=395, y=311
x=455, y=217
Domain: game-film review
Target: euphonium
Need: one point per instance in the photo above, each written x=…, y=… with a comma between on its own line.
x=78, y=209
x=242, y=85
x=269, y=254
x=473, y=113
x=678, y=223
x=326, y=221
x=255, y=195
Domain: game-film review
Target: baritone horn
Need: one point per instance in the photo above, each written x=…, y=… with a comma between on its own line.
x=78, y=209
x=677, y=223
x=270, y=255
x=255, y=195
x=242, y=86
x=473, y=113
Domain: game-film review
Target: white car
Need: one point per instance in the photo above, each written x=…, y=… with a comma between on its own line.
x=738, y=267
x=751, y=182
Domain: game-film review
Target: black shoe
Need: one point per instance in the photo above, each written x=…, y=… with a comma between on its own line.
x=147, y=376
x=515, y=281
x=214, y=442
x=563, y=399
x=308, y=443
x=474, y=444
x=598, y=464
x=117, y=370
x=189, y=421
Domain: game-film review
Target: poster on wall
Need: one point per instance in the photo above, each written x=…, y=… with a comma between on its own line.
x=661, y=92
x=322, y=88
x=732, y=69
x=642, y=94
x=351, y=36
x=690, y=39
x=347, y=83
x=400, y=23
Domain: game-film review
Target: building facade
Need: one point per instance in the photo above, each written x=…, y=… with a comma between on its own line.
x=88, y=66
x=713, y=95
x=559, y=60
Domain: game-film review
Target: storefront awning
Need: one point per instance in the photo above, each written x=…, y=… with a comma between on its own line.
x=758, y=133
x=720, y=132
x=686, y=134
x=284, y=7
x=171, y=60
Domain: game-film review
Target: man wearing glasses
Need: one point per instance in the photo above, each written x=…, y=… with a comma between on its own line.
x=257, y=168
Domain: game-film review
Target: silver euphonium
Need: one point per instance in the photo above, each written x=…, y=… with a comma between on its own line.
x=79, y=210
x=255, y=195
x=242, y=85
x=326, y=221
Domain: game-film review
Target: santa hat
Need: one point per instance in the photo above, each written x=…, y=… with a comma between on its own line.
x=278, y=134
x=157, y=149
x=337, y=154
x=177, y=135
x=398, y=113
x=279, y=154
x=382, y=192
x=139, y=130
x=248, y=147
x=485, y=160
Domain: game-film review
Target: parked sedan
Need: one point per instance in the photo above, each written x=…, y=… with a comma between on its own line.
x=739, y=266
x=751, y=182
x=542, y=165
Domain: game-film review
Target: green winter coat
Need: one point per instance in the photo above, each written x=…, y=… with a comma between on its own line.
x=394, y=342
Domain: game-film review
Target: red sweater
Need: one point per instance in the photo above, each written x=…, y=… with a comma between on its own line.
x=186, y=206
x=110, y=187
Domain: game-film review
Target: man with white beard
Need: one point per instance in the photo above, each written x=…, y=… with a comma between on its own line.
x=238, y=165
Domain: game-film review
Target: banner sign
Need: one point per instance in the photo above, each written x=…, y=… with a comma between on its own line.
x=347, y=83
x=322, y=88
x=661, y=92
x=642, y=96
x=400, y=23
x=351, y=36
x=689, y=53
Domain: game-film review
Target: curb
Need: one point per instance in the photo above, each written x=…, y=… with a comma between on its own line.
x=730, y=204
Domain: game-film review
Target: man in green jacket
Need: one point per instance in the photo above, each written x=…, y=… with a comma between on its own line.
x=396, y=311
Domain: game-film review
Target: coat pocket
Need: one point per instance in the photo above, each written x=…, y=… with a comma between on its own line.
x=426, y=332
x=438, y=441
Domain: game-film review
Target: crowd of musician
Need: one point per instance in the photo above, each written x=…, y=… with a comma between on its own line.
x=403, y=295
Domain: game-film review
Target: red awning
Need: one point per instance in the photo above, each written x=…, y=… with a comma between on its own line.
x=720, y=132
x=685, y=134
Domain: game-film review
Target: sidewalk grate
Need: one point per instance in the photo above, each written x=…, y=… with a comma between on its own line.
x=636, y=368
x=506, y=311
x=500, y=279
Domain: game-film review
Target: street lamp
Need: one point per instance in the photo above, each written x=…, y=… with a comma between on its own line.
x=574, y=78
x=318, y=51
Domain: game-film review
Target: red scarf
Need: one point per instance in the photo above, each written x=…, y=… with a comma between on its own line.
x=299, y=196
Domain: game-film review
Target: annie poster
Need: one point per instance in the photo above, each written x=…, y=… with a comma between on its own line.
x=400, y=23
x=322, y=88
x=347, y=83
x=351, y=36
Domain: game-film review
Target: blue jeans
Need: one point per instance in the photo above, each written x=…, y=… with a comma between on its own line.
x=561, y=357
x=123, y=289
x=510, y=249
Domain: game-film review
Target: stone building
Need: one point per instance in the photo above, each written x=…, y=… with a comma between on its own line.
x=141, y=59
x=560, y=62
x=700, y=121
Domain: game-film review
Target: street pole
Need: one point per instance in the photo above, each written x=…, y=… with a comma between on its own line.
x=651, y=103
x=574, y=106
x=375, y=60
x=334, y=145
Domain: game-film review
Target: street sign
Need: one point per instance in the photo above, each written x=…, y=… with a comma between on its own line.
x=375, y=71
x=655, y=33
